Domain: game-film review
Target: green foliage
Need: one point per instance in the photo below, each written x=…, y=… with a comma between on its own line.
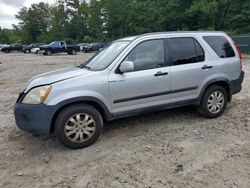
x=8, y=36
x=77, y=20
x=88, y=38
x=34, y=22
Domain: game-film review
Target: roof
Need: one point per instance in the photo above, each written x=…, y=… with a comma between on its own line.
x=170, y=33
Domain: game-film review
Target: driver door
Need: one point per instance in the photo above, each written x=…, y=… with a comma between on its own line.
x=147, y=85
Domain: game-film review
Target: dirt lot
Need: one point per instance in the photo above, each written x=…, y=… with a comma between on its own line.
x=174, y=148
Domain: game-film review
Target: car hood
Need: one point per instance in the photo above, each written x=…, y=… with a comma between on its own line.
x=55, y=76
x=44, y=46
x=6, y=46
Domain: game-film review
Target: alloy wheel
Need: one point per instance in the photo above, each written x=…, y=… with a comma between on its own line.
x=215, y=102
x=80, y=128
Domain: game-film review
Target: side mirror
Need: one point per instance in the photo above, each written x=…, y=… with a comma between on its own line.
x=127, y=66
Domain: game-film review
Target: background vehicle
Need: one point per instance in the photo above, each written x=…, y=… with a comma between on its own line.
x=82, y=45
x=91, y=47
x=133, y=75
x=2, y=45
x=59, y=47
x=12, y=47
x=34, y=47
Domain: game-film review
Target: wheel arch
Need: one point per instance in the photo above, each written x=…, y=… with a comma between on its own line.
x=96, y=103
x=221, y=82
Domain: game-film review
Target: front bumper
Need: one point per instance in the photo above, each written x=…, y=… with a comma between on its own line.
x=35, y=119
x=235, y=85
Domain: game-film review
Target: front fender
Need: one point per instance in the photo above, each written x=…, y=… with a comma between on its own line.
x=56, y=98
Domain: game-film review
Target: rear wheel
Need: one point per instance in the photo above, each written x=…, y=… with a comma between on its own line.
x=214, y=101
x=48, y=52
x=78, y=126
x=73, y=52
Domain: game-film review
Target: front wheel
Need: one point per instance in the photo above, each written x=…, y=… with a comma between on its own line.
x=78, y=126
x=214, y=102
x=73, y=52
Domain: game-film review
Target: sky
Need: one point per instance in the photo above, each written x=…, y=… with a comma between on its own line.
x=8, y=9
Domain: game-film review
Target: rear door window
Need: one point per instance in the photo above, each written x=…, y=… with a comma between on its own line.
x=220, y=45
x=185, y=50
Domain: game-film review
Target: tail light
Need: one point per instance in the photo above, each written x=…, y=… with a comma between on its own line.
x=239, y=53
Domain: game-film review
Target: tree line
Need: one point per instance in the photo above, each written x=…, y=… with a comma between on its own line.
x=105, y=20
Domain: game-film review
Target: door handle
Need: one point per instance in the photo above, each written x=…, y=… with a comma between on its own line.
x=161, y=73
x=206, y=67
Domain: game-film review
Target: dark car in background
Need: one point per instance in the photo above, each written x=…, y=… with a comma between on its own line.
x=59, y=47
x=92, y=47
x=12, y=47
x=34, y=47
x=82, y=46
x=95, y=46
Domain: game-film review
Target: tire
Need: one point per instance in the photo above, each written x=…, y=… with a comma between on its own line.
x=38, y=52
x=27, y=51
x=48, y=52
x=214, y=102
x=73, y=52
x=71, y=121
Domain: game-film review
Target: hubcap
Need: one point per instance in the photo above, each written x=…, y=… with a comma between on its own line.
x=80, y=127
x=215, y=102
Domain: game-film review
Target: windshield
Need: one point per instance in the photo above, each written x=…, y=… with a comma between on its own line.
x=52, y=43
x=105, y=57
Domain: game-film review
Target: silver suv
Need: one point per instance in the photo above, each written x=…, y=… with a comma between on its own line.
x=133, y=75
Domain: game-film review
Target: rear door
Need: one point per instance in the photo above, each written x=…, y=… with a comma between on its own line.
x=147, y=85
x=225, y=58
x=19, y=47
x=190, y=67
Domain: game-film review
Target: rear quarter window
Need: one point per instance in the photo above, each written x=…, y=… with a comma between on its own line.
x=220, y=45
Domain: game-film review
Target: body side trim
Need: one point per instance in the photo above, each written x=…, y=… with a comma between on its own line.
x=156, y=108
x=154, y=95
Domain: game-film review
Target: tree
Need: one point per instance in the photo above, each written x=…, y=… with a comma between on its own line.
x=77, y=20
x=8, y=36
x=34, y=21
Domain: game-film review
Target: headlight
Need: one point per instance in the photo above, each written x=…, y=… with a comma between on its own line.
x=37, y=95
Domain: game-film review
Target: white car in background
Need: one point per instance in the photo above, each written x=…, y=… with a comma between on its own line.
x=34, y=48
x=2, y=45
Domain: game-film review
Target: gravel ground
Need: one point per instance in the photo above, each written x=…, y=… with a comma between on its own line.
x=173, y=148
